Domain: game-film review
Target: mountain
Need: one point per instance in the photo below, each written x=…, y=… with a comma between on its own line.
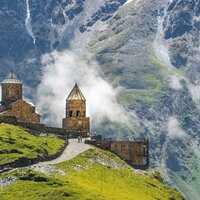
x=149, y=50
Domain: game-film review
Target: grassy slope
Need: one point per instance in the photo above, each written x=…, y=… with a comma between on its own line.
x=151, y=79
x=93, y=175
x=16, y=143
x=143, y=80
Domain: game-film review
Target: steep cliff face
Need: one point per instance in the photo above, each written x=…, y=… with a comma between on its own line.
x=182, y=31
x=158, y=65
x=31, y=28
x=150, y=48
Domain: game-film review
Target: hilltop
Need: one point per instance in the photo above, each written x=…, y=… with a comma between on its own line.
x=16, y=143
x=92, y=174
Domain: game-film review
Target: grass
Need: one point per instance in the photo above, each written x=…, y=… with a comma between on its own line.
x=16, y=143
x=93, y=175
x=145, y=74
x=144, y=82
x=127, y=97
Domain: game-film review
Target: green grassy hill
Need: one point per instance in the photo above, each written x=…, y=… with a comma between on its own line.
x=93, y=175
x=16, y=143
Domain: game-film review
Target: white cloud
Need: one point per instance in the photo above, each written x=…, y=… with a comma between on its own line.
x=61, y=71
x=174, y=82
x=174, y=129
x=194, y=91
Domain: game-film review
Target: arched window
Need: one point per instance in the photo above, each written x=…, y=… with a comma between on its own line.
x=78, y=113
x=70, y=113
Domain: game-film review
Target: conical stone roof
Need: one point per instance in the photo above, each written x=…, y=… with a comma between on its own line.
x=76, y=94
x=11, y=78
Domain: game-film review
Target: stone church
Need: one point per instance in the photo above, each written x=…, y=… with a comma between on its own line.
x=76, y=119
x=12, y=103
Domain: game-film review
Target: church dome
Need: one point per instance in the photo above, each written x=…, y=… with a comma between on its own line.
x=11, y=78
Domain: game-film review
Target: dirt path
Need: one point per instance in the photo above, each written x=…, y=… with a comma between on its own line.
x=73, y=149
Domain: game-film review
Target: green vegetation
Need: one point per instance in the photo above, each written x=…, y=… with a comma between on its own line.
x=134, y=68
x=127, y=97
x=151, y=81
x=16, y=143
x=93, y=175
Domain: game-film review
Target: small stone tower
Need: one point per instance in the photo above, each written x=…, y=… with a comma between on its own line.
x=13, y=105
x=11, y=89
x=76, y=120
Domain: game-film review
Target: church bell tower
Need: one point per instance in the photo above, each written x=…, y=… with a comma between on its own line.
x=76, y=119
x=11, y=89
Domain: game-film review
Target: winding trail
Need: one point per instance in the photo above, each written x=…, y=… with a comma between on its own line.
x=73, y=149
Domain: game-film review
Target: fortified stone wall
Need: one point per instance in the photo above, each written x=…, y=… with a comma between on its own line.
x=35, y=127
x=41, y=128
x=8, y=120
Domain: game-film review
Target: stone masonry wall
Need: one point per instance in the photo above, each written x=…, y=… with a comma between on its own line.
x=41, y=128
x=11, y=92
x=75, y=108
x=137, y=153
x=77, y=123
x=76, y=119
x=23, y=112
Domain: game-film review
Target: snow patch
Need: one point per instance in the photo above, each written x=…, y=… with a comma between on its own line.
x=129, y=1
x=63, y=11
x=196, y=18
x=29, y=102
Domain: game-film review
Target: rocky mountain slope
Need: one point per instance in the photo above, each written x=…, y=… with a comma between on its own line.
x=149, y=50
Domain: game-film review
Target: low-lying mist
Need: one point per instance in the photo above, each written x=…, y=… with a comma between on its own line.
x=174, y=128
x=60, y=72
